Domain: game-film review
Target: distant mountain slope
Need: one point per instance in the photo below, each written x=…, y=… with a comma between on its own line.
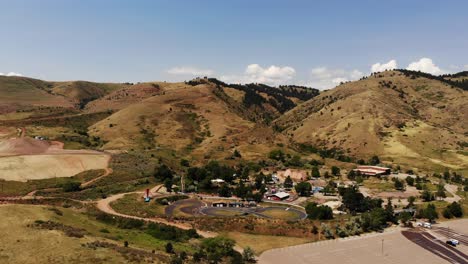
x=200, y=120
x=81, y=92
x=400, y=115
x=121, y=98
x=20, y=92
x=260, y=102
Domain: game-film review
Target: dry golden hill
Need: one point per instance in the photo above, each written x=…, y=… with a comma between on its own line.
x=17, y=93
x=23, y=94
x=401, y=116
x=197, y=119
x=124, y=97
x=82, y=92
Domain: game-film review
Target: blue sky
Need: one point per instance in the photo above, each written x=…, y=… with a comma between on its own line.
x=316, y=43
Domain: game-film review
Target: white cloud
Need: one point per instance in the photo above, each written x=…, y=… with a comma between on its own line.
x=184, y=70
x=378, y=67
x=254, y=73
x=465, y=67
x=324, y=78
x=425, y=65
x=11, y=74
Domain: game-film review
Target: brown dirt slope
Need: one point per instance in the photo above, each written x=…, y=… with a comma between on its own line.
x=188, y=118
x=404, y=118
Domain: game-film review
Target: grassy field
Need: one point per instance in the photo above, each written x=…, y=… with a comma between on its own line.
x=133, y=204
x=56, y=245
x=23, y=244
x=261, y=243
x=379, y=185
x=278, y=213
x=14, y=188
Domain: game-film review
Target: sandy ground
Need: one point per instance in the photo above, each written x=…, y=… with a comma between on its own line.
x=33, y=167
x=366, y=249
x=25, y=158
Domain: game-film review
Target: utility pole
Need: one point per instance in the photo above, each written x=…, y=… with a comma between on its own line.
x=382, y=247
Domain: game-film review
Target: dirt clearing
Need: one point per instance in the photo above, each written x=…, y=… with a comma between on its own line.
x=34, y=167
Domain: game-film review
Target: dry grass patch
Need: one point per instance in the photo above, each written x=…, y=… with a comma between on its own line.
x=261, y=243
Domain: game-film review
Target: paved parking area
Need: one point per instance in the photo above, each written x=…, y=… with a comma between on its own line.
x=358, y=250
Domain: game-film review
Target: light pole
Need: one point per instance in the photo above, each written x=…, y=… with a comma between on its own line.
x=382, y=247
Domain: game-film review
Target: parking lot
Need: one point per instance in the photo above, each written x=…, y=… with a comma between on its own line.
x=389, y=247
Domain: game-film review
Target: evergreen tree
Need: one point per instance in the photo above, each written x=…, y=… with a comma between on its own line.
x=315, y=172
x=288, y=182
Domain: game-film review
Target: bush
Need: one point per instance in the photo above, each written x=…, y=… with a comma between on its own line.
x=453, y=210
x=169, y=248
x=335, y=170
x=410, y=181
x=71, y=187
x=303, y=188
x=316, y=212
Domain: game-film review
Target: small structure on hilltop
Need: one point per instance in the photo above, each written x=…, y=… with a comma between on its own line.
x=373, y=170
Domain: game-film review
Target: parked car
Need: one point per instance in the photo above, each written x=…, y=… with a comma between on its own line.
x=452, y=242
x=427, y=225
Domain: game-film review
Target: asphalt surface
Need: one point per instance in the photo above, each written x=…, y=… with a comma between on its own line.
x=211, y=211
x=436, y=246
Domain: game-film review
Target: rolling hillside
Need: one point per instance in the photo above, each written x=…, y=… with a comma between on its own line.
x=197, y=119
x=399, y=115
x=19, y=93
x=405, y=117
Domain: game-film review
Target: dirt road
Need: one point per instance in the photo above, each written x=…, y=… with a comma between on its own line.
x=107, y=171
x=104, y=206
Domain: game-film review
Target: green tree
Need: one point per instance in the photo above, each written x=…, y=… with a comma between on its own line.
x=248, y=255
x=455, y=209
x=411, y=201
x=374, y=160
x=236, y=154
x=71, y=186
x=168, y=185
x=259, y=179
x=430, y=212
x=427, y=196
x=277, y=154
x=169, y=248
x=410, y=181
x=335, y=170
x=218, y=247
x=288, y=182
x=374, y=220
x=351, y=175
x=440, y=191
x=163, y=172
x=399, y=185
x=303, y=188
x=184, y=163
x=318, y=212
x=405, y=218
x=225, y=191
x=390, y=214
x=315, y=172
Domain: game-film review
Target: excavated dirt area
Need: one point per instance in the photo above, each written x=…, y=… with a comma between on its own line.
x=25, y=158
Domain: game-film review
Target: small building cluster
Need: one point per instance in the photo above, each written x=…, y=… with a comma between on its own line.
x=277, y=196
x=236, y=204
x=372, y=170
